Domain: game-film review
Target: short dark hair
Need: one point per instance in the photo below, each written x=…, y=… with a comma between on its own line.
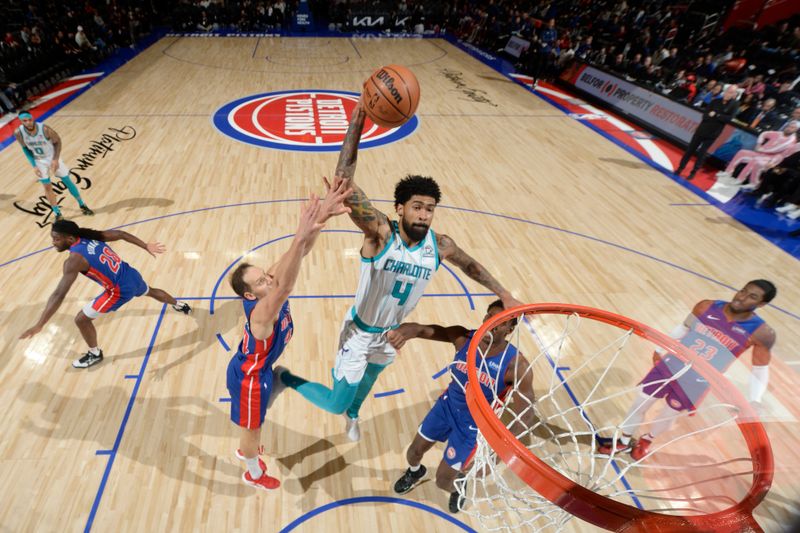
x=499, y=303
x=237, y=280
x=414, y=184
x=767, y=286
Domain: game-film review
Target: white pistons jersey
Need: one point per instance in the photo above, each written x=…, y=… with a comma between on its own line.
x=41, y=146
x=393, y=281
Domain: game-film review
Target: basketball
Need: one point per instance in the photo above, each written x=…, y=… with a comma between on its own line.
x=391, y=95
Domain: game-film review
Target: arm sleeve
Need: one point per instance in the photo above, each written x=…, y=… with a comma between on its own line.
x=759, y=378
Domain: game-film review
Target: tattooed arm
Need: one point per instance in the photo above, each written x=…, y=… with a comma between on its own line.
x=449, y=250
x=372, y=222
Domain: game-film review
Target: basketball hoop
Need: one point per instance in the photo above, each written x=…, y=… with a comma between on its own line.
x=574, y=480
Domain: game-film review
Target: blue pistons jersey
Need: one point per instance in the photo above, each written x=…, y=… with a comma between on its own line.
x=491, y=374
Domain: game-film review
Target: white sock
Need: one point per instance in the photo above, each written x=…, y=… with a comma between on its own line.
x=414, y=468
x=664, y=420
x=635, y=416
x=625, y=439
x=253, y=467
x=94, y=351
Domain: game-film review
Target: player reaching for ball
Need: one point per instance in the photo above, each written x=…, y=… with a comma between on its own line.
x=391, y=96
x=398, y=259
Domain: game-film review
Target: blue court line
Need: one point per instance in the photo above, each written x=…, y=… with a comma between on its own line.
x=113, y=452
x=461, y=209
x=222, y=341
x=225, y=400
x=277, y=239
x=258, y=41
x=575, y=401
x=132, y=376
x=374, y=499
x=440, y=373
x=562, y=368
x=388, y=393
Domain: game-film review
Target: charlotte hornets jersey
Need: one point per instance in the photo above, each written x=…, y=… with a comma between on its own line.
x=38, y=144
x=491, y=373
x=105, y=266
x=718, y=341
x=264, y=352
x=393, y=281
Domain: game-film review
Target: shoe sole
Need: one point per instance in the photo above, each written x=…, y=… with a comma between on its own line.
x=89, y=365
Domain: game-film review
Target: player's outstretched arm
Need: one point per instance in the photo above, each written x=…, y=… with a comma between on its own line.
x=397, y=337
x=263, y=316
x=763, y=341
x=362, y=212
x=152, y=248
x=72, y=267
x=520, y=374
x=450, y=251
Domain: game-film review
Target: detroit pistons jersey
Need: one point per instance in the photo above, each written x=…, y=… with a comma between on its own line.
x=718, y=341
x=37, y=143
x=105, y=266
x=393, y=281
x=491, y=374
x=264, y=352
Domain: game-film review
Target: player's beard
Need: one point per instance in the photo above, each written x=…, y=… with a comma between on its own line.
x=415, y=232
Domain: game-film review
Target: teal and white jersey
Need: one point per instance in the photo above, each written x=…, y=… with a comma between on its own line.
x=37, y=143
x=393, y=281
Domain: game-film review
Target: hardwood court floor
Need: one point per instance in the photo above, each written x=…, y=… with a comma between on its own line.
x=142, y=442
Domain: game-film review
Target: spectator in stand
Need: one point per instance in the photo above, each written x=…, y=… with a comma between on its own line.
x=82, y=40
x=771, y=148
x=683, y=86
x=761, y=118
x=756, y=86
x=718, y=113
x=618, y=64
x=795, y=116
x=671, y=62
x=635, y=67
x=702, y=97
x=780, y=184
x=786, y=97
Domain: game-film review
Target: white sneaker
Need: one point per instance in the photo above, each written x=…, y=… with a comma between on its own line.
x=794, y=215
x=785, y=208
x=352, y=429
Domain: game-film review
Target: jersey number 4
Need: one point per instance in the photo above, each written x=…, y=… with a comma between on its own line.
x=111, y=259
x=401, y=291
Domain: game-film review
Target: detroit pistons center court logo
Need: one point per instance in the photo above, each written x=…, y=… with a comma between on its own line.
x=310, y=121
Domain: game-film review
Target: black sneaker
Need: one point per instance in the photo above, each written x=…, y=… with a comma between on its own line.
x=86, y=211
x=182, y=307
x=88, y=360
x=409, y=480
x=456, y=502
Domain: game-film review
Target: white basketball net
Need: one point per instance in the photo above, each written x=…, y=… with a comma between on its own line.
x=586, y=376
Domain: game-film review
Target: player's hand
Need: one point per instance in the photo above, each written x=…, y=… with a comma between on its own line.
x=154, y=248
x=309, y=215
x=30, y=332
x=397, y=337
x=336, y=193
x=509, y=301
x=711, y=114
